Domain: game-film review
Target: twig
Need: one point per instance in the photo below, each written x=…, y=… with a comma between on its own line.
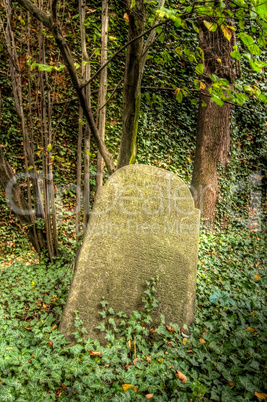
x=122, y=48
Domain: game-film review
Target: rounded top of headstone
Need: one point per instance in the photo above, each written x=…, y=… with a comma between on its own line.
x=146, y=190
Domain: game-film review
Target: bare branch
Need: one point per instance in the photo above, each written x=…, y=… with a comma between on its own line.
x=45, y=18
x=120, y=50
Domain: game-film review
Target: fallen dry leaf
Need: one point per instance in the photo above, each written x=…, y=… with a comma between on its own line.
x=257, y=276
x=231, y=383
x=126, y=17
x=148, y=396
x=135, y=360
x=128, y=386
x=170, y=366
x=181, y=376
x=170, y=329
x=92, y=353
x=202, y=341
x=260, y=395
x=185, y=340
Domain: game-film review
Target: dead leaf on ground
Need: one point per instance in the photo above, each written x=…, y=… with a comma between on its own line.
x=260, y=395
x=181, y=376
x=202, y=341
x=126, y=17
x=92, y=353
x=128, y=386
x=148, y=396
x=170, y=329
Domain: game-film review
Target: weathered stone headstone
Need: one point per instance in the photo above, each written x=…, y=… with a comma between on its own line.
x=143, y=224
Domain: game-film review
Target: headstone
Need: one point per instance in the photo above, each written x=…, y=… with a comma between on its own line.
x=143, y=225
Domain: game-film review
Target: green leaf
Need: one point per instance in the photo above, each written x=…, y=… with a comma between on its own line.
x=254, y=49
x=49, y=148
x=45, y=67
x=217, y=100
x=246, y=383
x=214, y=299
x=199, y=69
x=261, y=9
x=212, y=27
x=246, y=39
x=132, y=4
x=179, y=97
x=236, y=55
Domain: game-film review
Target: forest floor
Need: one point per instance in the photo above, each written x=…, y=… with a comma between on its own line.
x=224, y=358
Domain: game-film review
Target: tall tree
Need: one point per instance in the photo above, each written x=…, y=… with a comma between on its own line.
x=214, y=120
x=136, y=57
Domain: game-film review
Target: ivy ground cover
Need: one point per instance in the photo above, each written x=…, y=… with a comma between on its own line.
x=222, y=358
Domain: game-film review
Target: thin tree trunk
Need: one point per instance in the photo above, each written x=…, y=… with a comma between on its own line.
x=45, y=142
x=132, y=84
x=214, y=129
x=86, y=73
x=17, y=202
x=212, y=147
x=79, y=173
x=102, y=90
x=50, y=167
x=135, y=64
x=39, y=239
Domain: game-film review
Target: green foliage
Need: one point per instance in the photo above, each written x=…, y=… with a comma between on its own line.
x=224, y=357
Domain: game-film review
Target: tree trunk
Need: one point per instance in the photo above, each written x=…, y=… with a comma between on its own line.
x=102, y=90
x=86, y=73
x=135, y=64
x=214, y=128
x=18, y=204
x=132, y=84
x=36, y=237
x=212, y=147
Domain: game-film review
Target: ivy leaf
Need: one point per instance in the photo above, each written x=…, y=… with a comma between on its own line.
x=217, y=100
x=45, y=67
x=261, y=9
x=178, y=94
x=246, y=39
x=199, y=69
x=226, y=32
x=212, y=27
x=254, y=49
x=214, y=299
x=236, y=55
x=246, y=383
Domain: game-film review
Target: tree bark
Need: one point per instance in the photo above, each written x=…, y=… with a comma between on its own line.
x=214, y=128
x=18, y=204
x=102, y=90
x=39, y=241
x=136, y=57
x=132, y=84
x=212, y=147
x=51, y=23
